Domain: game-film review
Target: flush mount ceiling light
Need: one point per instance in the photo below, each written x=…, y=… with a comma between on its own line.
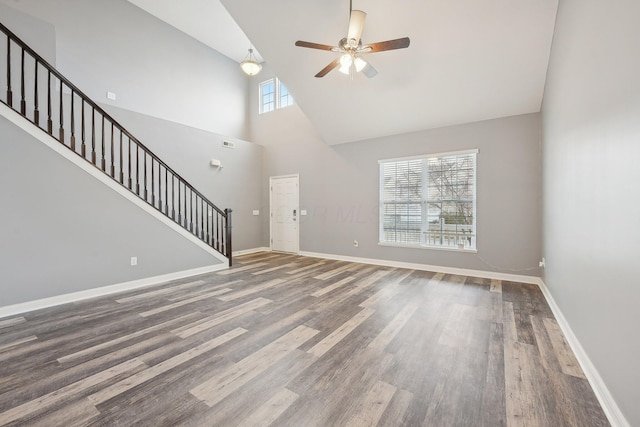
x=250, y=66
x=351, y=48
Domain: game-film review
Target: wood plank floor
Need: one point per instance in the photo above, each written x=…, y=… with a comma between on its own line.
x=285, y=340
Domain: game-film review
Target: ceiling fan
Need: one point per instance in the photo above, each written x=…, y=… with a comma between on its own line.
x=352, y=49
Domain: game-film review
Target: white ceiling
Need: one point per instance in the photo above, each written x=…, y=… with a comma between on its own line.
x=204, y=20
x=469, y=60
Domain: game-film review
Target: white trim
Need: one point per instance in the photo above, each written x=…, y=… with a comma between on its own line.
x=431, y=156
x=609, y=406
x=49, y=141
x=251, y=251
x=425, y=267
x=24, y=307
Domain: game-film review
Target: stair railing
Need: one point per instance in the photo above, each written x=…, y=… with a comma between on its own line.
x=35, y=89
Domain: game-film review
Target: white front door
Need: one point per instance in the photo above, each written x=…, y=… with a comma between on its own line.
x=285, y=213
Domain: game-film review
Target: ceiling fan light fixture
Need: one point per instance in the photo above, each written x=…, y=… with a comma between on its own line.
x=345, y=63
x=250, y=66
x=359, y=63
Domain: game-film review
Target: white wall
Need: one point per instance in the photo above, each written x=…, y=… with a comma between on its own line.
x=151, y=67
x=339, y=187
x=591, y=132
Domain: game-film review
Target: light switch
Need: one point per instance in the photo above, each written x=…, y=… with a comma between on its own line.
x=256, y=212
x=303, y=212
x=111, y=96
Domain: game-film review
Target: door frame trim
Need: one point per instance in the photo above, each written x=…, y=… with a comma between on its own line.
x=271, y=179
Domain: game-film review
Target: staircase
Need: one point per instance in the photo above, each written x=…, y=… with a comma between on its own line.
x=44, y=97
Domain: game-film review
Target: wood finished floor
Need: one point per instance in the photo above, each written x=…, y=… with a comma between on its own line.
x=285, y=340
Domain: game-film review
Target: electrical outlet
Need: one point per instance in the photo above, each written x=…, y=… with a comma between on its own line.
x=541, y=264
x=256, y=212
x=355, y=243
x=134, y=260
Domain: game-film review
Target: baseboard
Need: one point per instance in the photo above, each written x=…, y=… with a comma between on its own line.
x=12, y=310
x=425, y=267
x=251, y=251
x=609, y=406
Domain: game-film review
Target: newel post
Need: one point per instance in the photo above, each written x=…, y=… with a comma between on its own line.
x=227, y=230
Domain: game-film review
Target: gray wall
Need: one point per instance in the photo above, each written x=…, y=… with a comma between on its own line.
x=339, y=187
x=591, y=132
x=38, y=34
x=90, y=232
x=238, y=185
x=64, y=231
x=152, y=67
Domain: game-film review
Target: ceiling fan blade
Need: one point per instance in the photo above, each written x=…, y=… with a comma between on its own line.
x=388, y=45
x=369, y=71
x=328, y=68
x=356, y=25
x=311, y=45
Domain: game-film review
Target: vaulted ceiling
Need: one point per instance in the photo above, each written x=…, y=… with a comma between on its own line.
x=469, y=60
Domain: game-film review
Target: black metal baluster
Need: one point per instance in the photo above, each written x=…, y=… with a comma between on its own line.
x=113, y=168
x=137, y=170
x=160, y=186
x=129, y=168
x=191, y=210
x=221, y=237
x=72, y=140
x=93, y=135
x=173, y=197
x=228, y=249
x=197, y=231
x=121, y=160
x=185, y=205
x=103, y=163
x=49, y=119
x=23, y=102
x=153, y=184
x=201, y=218
x=179, y=205
x=61, y=134
x=9, y=93
x=36, y=113
x=83, y=148
x=218, y=239
x=207, y=225
x=166, y=190
x=144, y=159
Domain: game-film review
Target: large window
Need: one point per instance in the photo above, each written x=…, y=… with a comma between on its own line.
x=273, y=95
x=429, y=201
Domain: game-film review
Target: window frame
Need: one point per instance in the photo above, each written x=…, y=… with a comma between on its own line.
x=261, y=94
x=424, y=202
x=277, y=93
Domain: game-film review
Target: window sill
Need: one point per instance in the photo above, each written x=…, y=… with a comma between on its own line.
x=438, y=248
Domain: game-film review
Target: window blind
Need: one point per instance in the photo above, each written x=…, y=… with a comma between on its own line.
x=429, y=200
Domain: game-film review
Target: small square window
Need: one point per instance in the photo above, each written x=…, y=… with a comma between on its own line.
x=267, y=96
x=285, y=97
